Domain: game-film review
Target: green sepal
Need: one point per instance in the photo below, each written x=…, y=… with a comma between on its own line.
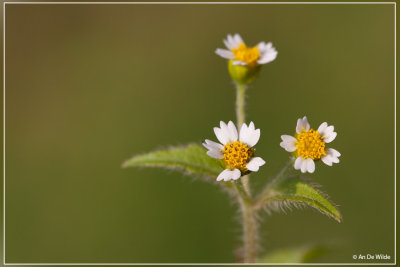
x=243, y=74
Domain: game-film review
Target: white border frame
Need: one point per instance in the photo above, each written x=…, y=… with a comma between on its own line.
x=187, y=3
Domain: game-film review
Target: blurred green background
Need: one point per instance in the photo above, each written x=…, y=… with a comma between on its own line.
x=88, y=86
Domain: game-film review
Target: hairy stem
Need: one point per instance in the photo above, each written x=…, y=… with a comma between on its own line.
x=249, y=224
x=240, y=104
x=243, y=190
x=241, y=116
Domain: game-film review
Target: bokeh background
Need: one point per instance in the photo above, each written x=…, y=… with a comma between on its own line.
x=88, y=86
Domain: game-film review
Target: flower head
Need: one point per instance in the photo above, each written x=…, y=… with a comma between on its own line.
x=308, y=145
x=241, y=54
x=236, y=150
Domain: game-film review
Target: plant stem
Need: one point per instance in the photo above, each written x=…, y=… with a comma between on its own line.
x=240, y=104
x=240, y=116
x=250, y=234
x=249, y=224
x=243, y=190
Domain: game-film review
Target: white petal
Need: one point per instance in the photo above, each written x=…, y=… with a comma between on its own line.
x=288, y=138
x=330, y=137
x=262, y=47
x=310, y=165
x=225, y=53
x=222, y=137
x=233, y=131
x=322, y=128
x=254, y=137
x=237, y=40
x=212, y=145
x=244, y=133
x=227, y=175
x=327, y=132
x=327, y=160
x=214, y=149
x=252, y=126
x=329, y=129
x=268, y=53
x=303, y=166
x=255, y=164
x=302, y=124
x=237, y=62
x=236, y=174
x=335, y=159
x=229, y=42
x=217, y=154
x=298, y=163
x=288, y=143
x=334, y=152
x=299, y=126
x=224, y=174
x=332, y=156
x=227, y=131
x=249, y=135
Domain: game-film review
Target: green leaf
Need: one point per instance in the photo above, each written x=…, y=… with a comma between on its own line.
x=297, y=191
x=191, y=158
x=294, y=255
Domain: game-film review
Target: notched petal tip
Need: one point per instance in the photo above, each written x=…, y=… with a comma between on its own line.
x=332, y=156
x=252, y=126
x=300, y=125
x=236, y=174
x=329, y=137
x=310, y=165
x=255, y=164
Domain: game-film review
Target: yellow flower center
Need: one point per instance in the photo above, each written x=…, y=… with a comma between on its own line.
x=237, y=155
x=250, y=55
x=310, y=145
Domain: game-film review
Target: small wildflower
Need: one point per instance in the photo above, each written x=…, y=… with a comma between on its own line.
x=237, y=150
x=245, y=62
x=308, y=145
x=241, y=54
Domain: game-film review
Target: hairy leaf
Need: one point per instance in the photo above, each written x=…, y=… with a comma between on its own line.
x=191, y=158
x=301, y=254
x=297, y=191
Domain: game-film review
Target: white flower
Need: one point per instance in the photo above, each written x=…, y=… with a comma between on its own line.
x=309, y=145
x=262, y=53
x=236, y=150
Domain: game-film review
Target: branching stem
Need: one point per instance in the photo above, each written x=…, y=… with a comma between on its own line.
x=261, y=200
